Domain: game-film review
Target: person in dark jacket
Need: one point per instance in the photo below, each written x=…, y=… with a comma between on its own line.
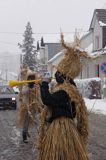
x=58, y=100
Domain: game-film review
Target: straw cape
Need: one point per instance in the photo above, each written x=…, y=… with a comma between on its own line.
x=64, y=138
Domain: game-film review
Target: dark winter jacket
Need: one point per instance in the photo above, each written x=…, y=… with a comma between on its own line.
x=58, y=103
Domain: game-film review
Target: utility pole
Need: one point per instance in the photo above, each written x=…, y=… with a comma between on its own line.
x=6, y=76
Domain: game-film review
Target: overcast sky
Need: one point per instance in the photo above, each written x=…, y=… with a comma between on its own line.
x=45, y=16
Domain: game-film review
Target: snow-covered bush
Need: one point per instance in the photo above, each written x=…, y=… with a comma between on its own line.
x=89, y=88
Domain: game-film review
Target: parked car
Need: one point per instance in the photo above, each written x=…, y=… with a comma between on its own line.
x=8, y=98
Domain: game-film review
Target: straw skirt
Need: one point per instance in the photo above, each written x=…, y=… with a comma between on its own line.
x=61, y=141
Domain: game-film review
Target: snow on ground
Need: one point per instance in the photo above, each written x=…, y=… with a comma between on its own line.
x=96, y=105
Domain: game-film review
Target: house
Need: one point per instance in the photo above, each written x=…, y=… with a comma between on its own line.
x=94, y=42
x=52, y=49
x=52, y=63
x=47, y=52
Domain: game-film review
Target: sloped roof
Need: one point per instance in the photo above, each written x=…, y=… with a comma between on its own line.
x=56, y=56
x=101, y=16
x=53, y=49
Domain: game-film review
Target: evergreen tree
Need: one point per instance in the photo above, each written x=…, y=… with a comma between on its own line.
x=42, y=42
x=28, y=48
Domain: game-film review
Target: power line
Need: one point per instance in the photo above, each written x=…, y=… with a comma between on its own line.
x=42, y=33
x=59, y=32
x=47, y=33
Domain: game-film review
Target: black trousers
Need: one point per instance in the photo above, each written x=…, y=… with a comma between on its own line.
x=25, y=126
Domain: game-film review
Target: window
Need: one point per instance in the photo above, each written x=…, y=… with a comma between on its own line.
x=97, y=70
x=96, y=42
x=87, y=71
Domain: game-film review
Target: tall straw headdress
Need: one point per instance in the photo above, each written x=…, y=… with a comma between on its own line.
x=71, y=64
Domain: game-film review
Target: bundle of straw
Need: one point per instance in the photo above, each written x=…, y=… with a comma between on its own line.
x=62, y=142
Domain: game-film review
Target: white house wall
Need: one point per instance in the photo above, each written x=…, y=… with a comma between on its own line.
x=87, y=40
x=97, y=32
x=43, y=55
x=89, y=69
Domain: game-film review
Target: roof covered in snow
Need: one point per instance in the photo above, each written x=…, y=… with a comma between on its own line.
x=56, y=56
x=102, y=24
x=53, y=48
x=98, y=53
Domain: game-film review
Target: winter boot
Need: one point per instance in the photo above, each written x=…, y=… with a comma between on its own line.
x=24, y=135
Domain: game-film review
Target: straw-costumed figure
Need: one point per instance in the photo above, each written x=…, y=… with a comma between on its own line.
x=64, y=139
x=30, y=101
x=71, y=66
